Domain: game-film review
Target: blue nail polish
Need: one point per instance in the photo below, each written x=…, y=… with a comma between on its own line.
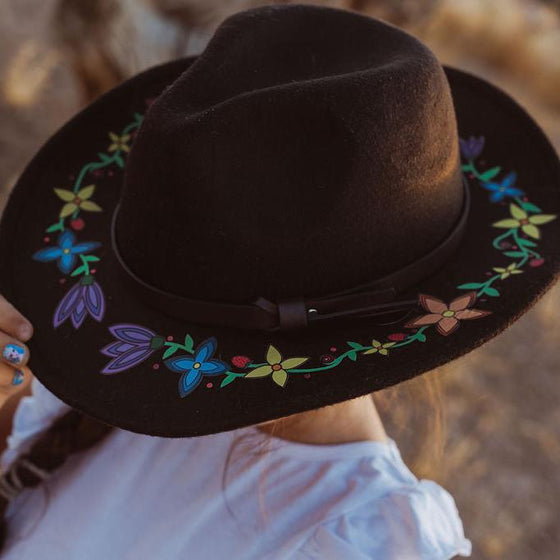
x=18, y=377
x=13, y=353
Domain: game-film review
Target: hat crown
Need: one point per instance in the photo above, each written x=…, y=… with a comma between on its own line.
x=307, y=150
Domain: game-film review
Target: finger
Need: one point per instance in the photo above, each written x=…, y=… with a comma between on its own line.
x=14, y=352
x=13, y=380
x=13, y=322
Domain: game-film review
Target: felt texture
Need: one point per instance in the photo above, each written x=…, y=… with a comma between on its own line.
x=277, y=130
x=220, y=200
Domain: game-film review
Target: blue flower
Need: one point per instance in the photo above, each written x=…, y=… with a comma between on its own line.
x=471, y=148
x=195, y=368
x=503, y=189
x=65, y=252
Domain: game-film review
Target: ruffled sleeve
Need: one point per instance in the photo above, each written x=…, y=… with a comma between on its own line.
x=33, y=414
x=417, y=520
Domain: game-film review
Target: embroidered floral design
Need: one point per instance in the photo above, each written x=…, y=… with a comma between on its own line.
x=528, y=224
x=276, y=366
x=133, y=345
x=447, y=317
x=119, y=142
x=379, y=347
x=65, y=251
x=471, y=148
x=508, y=271
x=504, y=188
x=85, y=297
x=194, y=368
x=77, y=201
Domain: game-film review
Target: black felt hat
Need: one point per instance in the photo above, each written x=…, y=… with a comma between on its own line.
x=311, y=210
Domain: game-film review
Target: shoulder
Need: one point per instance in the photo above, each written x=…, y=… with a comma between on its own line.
x=392, y=515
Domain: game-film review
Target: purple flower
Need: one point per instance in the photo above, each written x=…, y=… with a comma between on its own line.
x=504, y=188
x=471, y=148
x=134, y=345
x=196, y=367
x=83, y=297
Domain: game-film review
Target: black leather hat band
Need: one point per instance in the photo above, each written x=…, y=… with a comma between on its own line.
x=373, y=299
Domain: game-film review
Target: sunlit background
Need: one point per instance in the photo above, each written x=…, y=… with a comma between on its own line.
x=502, y=452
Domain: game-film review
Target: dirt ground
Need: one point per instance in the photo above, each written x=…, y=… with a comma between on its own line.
x=502, y=401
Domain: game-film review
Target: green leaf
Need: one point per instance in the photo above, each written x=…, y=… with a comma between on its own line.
x=227, y=380
x=354, y=345
x=489, y=291
x=170, y=351
x=421, y=337
x=55, y=227
x=470, y=286
x=466, y=167
x=138, y=117
x=90, y=258
x=489, y=173
x=105, y=158
x=353, y=356
x=514, y=254
x=79, y=270
x=119, y=161
x=526, y=242
x=189, y=343
x=531, y=207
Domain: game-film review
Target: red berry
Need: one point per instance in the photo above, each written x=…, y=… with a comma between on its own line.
x=396, y=337
x=536, y=262
x=240, y=361
x=326, y=359
x=77, y=224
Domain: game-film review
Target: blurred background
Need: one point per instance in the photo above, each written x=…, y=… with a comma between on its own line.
x=501, y=403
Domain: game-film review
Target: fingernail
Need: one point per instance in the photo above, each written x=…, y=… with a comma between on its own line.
x=25, y=331
x=13, y=353
x=18, y=377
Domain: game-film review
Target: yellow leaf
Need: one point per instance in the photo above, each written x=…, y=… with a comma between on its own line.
x=507, y=223
x=261, y=371
x=86, y=192
x=293, y=362
x=65, y=195
x=67, y=209
x=517, y=212
x=542, y=219
x=371, y=351
x=90, y=206
x=273, y=356
x=531, y=230
x=280, y=377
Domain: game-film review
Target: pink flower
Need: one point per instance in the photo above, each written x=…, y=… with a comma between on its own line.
x=447, y=317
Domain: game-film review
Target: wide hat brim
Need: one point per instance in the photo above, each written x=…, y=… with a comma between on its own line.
x=126, y=364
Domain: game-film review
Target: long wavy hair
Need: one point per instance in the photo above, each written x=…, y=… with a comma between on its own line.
x=403, y=409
